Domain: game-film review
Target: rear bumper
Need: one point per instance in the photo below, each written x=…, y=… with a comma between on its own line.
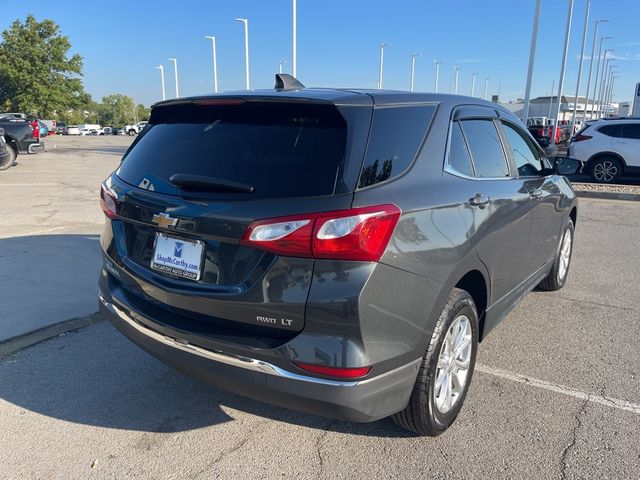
x=35, y=147
x=357, y=401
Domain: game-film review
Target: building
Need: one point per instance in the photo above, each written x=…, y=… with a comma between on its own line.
x=545, y=107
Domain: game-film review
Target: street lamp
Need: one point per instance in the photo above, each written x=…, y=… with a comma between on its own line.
x=598, y=66
x=162, y=78
x=486, y=86
x=175, y=71
x=437, y=63
x=413, y=68
x=246, y=50
x=593, y=51
x=473, y=82
x=280, y=64
x=457, y=70
x=565, y=52
x=382, y=45
x=294, y=31
x=584, y=41
x=215, y=63
x=532, y=55
x=603, y=78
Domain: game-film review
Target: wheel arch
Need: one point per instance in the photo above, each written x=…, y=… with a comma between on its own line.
x=475, y=284
x=599, y=155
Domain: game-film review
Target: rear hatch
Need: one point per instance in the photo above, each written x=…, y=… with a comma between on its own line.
x=192, y=183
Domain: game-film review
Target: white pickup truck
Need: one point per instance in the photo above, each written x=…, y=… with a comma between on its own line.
x=134, y=129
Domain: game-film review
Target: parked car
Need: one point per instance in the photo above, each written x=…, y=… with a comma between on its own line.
x=44, y=130
x=21, y=136
x=16, y=115
x=7, y=159
x=135, y=129
x=61, y=128
x=342, y=253
x=105, y=131
x=608, y=148
x=73, y=130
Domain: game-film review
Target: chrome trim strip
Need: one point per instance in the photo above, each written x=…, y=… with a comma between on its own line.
x=226, y=358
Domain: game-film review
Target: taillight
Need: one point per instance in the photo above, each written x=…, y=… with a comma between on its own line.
x=344, y=373
x=35, y=129
x=580, y=137
x=108, y=202
x=354, y=234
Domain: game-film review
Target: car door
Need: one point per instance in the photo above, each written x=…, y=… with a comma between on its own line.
x=497, y=207
x=544, y=190
x=629, y=144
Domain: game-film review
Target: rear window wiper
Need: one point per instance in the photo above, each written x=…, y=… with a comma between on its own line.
x=185, y=180
x=199, y=182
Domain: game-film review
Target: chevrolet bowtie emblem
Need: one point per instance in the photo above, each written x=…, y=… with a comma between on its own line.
x=164, y=220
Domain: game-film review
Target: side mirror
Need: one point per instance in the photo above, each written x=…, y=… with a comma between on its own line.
x=566, y=166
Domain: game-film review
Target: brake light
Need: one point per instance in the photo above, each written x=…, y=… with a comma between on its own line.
x=580, y=137
x=108, y=202
x=354, y=234
x=350, y=373
x=35, y=129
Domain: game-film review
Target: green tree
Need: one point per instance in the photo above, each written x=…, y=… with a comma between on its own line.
x=143, y=112
x=36, y=74
x=117, y=110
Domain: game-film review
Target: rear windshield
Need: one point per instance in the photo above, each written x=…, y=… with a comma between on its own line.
x=281, y=150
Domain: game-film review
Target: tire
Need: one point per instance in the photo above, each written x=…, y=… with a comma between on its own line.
x=131, y=133
x=605, y=169
x=557, y=276
x=426, y=414
x=11, y=161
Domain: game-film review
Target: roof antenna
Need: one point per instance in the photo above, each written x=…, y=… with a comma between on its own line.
x=284, y=81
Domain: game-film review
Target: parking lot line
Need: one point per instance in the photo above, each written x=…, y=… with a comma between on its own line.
x=571, y=392
x=28, y=184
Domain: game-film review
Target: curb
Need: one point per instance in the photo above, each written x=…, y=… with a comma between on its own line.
x=14, y=344
x=608, y=195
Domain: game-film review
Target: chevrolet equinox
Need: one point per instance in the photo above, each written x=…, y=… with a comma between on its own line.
x=337, y=252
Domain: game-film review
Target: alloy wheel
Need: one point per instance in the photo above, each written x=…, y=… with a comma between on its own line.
x=565, y=255
x=454, y=361
x=605, y=171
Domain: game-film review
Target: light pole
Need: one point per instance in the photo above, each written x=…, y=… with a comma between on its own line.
x=246, y=51
x=598, y=67
x=593, y=51
x=486, y=87
x=532, y=55
x=473, y=83
x=603, y=79
x=161, y=68
x=175, y=71
x=613, y=83
x=280, y=64
x=382, y=45
x=606, y=81
x=584, y=41
x=215, y=63
x=553, y=84
x=457, y=70
x=413, y=69
x=565, y=52
x=437, y=63
x=294, y=30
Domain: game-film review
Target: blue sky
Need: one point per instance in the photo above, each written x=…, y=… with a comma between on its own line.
x=122, y=42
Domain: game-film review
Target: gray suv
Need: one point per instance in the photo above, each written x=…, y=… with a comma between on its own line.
x=338, y=252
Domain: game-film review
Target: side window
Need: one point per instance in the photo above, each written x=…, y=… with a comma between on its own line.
x=486, y=148
x=524, y=154
x=459, y=157
x=631, y=130
x=394, y=140
x=611, y=130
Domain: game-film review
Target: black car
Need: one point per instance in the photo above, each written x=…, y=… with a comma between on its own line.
x=20, y=136
x=338, y=252
x=61, y=128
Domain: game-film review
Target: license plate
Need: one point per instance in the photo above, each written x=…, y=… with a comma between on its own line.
x=177, y=256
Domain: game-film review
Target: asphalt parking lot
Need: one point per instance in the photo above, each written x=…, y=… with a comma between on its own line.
x=556, y=393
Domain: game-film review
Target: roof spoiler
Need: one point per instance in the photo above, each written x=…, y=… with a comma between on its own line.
x=284, y=81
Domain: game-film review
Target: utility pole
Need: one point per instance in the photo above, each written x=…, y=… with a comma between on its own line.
x=473, y=83
x=413, y=68
x=245, y=22
x=437, y=64
x=215, y=63
x=161, y=68
x=593, y=51
x=294, y=52
x=382, y=45
x=486, y=87
x=175, y=70
x=457, y=70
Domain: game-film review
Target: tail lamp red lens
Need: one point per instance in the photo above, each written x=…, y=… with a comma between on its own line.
x=342, y=373
x=355, y=234
x=580, y=137
x=108, y=202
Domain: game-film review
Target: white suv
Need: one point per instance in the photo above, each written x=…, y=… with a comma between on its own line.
x=609, y=148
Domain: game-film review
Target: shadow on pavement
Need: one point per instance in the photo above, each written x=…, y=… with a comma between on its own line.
x=96, y=377
x=46, y=279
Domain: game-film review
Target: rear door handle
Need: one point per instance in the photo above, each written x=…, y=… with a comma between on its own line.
x=537, y=193
x=479, y=200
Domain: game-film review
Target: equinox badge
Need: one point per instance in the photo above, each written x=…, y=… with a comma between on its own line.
x=164, y=220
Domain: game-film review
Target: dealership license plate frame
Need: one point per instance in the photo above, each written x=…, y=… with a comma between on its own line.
x=176, y=272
